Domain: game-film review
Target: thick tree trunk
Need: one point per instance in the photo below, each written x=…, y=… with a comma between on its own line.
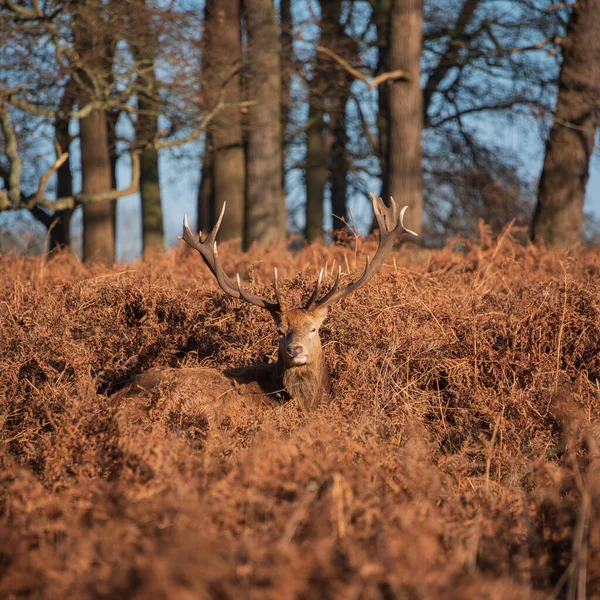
x=144, y=49
x=324, y=90
x=98, y=223
x=221, y=64
x=382, y=18
x=404, y=156
x=338, y=166
x=316, y=168
x=97, y=174
x=338, y=159
x=152, y=216
x=265, y=203
x=558, y=218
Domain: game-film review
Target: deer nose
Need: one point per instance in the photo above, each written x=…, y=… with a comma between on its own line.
x=295, y=350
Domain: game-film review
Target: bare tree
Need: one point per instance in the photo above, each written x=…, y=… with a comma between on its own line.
x=224, y=154
x=404, y=155
x=95, y=65
x=142, y=39
x=318, y=134
x=558, y=218
x=265, y=202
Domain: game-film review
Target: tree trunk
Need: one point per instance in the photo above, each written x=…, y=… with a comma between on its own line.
x=382, y=18
x=98, y=223
x=316, y=168
x=324, y=88
x=152, y=216
x=265, y=202
x=60, y=236
x=111, y=131
x=339, y=164
x=287, y=68
x=222, y=64
x=558, y=218
x=144, y=49
x=206, y=198
x=339, y=157
x=404, y=156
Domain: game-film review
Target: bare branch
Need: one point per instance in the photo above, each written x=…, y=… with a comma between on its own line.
x=12, y=152
x=372, y=82
x=39, y=196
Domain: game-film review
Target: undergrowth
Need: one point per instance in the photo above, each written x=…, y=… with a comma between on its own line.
x=458, y=457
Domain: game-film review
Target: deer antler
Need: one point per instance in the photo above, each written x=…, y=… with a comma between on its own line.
x=391, y=225
x=208, y=251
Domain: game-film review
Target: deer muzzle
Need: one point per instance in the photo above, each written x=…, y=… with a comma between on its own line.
x=296, y=354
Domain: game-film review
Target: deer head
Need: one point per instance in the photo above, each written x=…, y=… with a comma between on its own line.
x=301, y=362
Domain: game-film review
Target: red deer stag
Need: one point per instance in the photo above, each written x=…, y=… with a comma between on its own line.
x=301, y=366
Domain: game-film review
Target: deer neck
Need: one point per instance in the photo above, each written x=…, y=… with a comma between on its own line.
x=309, y=384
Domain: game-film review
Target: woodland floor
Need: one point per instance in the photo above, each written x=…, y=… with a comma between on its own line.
x=458, y=457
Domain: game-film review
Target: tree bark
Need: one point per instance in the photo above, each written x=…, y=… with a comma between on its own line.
x=206, y=199
x=382, y=16
x=98, y=217
x=324, y=88
x=60, y=236
x=316, y=168
x=338, y=166
x=558, y=217
x=404, y=155
x=221, y=65
x=98, y=221
x=287, y=67
x=145, y=49
x=265, y=201
x=152, y=216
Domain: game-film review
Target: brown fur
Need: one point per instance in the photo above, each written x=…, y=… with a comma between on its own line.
x=307, y=383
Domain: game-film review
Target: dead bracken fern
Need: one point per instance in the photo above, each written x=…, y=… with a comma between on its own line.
x=457, y=459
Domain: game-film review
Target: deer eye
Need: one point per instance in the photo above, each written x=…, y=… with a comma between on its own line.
x=313, y=330
x=281, y=332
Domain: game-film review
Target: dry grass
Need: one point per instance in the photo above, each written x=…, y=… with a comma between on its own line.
x=458, y=457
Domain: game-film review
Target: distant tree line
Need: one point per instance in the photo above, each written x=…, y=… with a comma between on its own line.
x=342, y=92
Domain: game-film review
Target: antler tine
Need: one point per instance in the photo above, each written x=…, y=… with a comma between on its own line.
x=394, y=208
x=256, y=300
x=334, y=287
x=276, y=286
x=313, y=298
x=391, y=225
x=405, y=230
x=382, y=213
x=208, y=251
